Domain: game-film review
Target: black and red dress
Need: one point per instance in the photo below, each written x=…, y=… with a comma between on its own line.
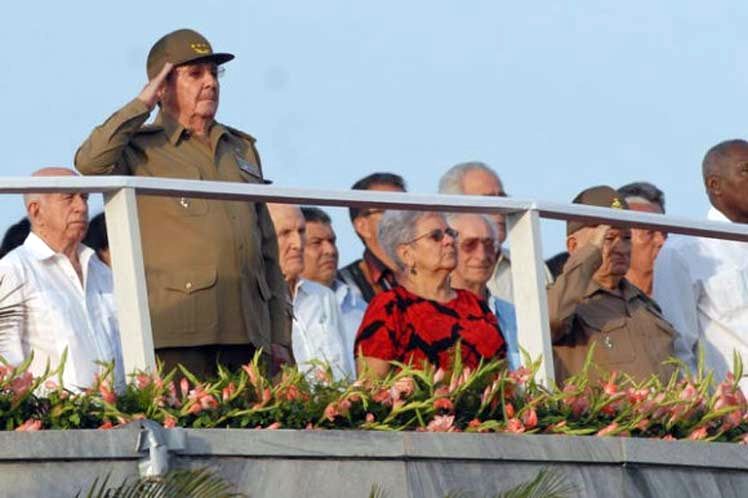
x=399, y=325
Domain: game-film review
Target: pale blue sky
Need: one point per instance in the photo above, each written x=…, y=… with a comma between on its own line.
x=556, y=96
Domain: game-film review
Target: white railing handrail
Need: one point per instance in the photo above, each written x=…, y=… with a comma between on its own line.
x=369, y=198
x=523, y=221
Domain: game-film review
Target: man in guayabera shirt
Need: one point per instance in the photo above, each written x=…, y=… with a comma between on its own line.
x=215, y=289
x=591, y=302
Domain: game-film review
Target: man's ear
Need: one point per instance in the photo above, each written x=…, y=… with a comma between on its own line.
x=571, y=244
x=713, y=185
x=361, y=225
x=32, y=211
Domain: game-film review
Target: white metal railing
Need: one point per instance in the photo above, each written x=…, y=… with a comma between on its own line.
x=523, y=226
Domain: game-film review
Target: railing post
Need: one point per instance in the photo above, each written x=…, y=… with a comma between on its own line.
x=528, y=281
x=130, y=288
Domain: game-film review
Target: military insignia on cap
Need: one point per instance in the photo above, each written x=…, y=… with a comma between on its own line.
x=616, y=204
x=200, y=48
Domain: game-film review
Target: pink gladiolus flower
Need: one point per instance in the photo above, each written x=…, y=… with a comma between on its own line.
x=744, y=439
x=30, y=425
x=668, y=437
x=322, y=376
x=515, y=426
x=106, y=426
x=142, y=381
x=331, y=411
x=689, y=392
x=530, y=418
x=383, y=396
x=441, y=423
x=252, y=373
x=732, y=420
x=184, y=386
x=170, y=422
x=228, y=391
x=521, y=375
x=439, y=375
x=509, y=409
x=195, y=409
x=404, y=387
x=50, y=385
x=608, y=430
x=443, y=404
x=107, y=394
x=698, y=434
x=345, y=407
x=370, y=418
x=274, y=426
x=579, y=406
x=21, y=384
x=642, y=424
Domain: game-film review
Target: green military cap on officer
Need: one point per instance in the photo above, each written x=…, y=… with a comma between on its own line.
x=601, y=196
x=181, y=47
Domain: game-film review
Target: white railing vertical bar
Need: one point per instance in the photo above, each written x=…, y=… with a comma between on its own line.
x=528, y=282
x=131, y=292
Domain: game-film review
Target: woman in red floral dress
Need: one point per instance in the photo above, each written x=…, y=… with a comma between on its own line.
x=422, y=320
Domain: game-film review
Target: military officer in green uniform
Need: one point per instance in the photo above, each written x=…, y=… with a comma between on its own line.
x=215, y=289
x=591, y=302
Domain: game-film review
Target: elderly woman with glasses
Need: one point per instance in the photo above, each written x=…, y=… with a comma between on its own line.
x=422, y=320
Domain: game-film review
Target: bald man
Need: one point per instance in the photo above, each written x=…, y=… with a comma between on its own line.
x=317, y=327
x=702, y=283
x=65, y=291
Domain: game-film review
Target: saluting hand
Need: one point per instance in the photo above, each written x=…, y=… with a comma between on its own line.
x=598, y=235
x=152, y=90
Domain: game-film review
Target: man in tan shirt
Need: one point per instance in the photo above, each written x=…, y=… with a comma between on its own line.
x=215, y=289
x=591, y=302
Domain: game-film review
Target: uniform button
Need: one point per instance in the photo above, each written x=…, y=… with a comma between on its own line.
x=184, y=202
x=188, y=285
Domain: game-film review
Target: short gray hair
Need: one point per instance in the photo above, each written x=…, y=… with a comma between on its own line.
x=399, y=227
x=451, y=181
x=452, y=218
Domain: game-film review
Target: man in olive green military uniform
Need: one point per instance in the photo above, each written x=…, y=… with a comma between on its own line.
x=214, y=285
x=592, y=302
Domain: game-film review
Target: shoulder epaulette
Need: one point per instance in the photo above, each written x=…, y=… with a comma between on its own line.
x=240, y=133
x=150, y=128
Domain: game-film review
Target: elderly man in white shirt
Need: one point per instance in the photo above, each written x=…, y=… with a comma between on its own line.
x=65, y=291
x=700, y=283
x=477, y=178
x=317, y=330
x=476, y=257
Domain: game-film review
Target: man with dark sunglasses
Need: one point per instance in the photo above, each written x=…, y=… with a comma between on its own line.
x=477, y=178
x=375, y=271
x=477, y=247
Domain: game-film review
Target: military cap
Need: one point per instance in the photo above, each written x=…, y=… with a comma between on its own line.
x=602, y=196
x=180, y=47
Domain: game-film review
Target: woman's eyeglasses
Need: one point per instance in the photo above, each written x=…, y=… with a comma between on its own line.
x=437, y=235
x=470, y=245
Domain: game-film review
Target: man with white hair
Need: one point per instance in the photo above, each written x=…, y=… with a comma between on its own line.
x=477, y=178
x=477, y=247
x=63, y=291
x=317, y=328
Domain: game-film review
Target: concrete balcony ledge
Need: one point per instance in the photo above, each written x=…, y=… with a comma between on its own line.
x=347, y=463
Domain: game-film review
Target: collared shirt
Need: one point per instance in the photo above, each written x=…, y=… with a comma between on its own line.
x=379, y=273
x=352, y=309
x=211, y=265
x=317, y=329
x=629, y=332
x=60, y=312
x=702, y=286
x=500, y=283
x=504, y=312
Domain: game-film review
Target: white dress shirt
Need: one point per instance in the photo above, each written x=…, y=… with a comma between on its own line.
x=701, y=284
x=352, y=309
x=60, y=312
x=317, y=329
x=500, y=284
x=504, y=312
